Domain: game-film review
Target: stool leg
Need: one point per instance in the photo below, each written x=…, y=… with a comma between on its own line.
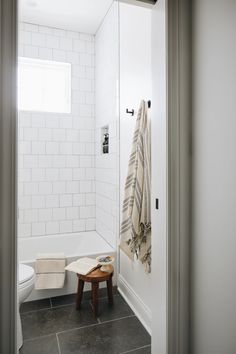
x=110, y=291
x=79, y=293
x=95, y=288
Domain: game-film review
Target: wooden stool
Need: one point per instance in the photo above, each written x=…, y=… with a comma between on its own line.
x=95, y=277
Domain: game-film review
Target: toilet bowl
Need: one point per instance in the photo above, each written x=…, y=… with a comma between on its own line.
x=26, y=276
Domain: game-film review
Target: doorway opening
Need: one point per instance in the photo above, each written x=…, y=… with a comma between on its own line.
x=82, y=69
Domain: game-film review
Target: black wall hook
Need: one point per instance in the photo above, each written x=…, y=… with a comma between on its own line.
x=149, y=103
x=130, y=112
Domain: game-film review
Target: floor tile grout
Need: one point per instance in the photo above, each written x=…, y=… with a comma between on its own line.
x=95, y=324
x=24, y=312
x=43, y=336
x=99, y=322
x=91, y=305
x=58, y=344
x=52, y=307
x=117, y=319
x=132, y=350
x=60, y=332
x=69, y=304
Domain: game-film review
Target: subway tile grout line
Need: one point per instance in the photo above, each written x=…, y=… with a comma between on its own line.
x=132, y=350
x=58, y=344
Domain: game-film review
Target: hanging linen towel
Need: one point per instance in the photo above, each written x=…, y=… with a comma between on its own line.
x=50, y=271
x=136, y=214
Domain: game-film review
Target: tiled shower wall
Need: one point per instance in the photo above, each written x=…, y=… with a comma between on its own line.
x=107, y=114
x=56, y=151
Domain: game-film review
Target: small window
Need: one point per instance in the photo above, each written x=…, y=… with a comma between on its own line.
x=44, y=86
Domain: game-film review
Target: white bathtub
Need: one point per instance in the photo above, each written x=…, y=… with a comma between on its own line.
x=74, y=245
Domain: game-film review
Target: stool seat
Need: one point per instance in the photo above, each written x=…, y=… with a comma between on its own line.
x=95, y=277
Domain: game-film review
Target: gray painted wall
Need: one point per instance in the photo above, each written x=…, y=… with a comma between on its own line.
x=214, y=177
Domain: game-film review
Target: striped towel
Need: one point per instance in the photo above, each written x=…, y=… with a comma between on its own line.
x=136, y=218
x=50, y=271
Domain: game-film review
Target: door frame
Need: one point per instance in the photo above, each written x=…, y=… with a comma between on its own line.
x=8, y=176
x=178, y=64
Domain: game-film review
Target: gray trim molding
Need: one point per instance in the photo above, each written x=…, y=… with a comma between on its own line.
x=8, y=114
x=179, y=176
x=179, y=113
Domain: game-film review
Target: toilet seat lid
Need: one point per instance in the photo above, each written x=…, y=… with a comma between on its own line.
x=25, y=273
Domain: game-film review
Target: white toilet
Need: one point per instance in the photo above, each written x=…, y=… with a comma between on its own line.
x=25, y=286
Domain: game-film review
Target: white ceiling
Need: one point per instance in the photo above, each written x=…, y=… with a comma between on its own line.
x=76, y=15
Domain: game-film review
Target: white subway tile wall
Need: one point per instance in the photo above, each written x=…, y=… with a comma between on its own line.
x=107, y=114
x=57, y=151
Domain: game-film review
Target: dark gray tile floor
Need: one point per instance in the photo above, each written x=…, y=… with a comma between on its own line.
x=35, y=305
x=41, y=345
x=53, y=326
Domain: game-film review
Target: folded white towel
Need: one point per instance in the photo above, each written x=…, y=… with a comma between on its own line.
x=49, y=281
x=50, y=271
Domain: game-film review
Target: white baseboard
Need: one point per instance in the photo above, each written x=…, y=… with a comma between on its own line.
x=137, y=305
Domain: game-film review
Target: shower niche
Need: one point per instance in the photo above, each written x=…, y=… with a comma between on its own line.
x=105, y=139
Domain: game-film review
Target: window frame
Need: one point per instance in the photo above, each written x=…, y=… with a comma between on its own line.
x=53, y=65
